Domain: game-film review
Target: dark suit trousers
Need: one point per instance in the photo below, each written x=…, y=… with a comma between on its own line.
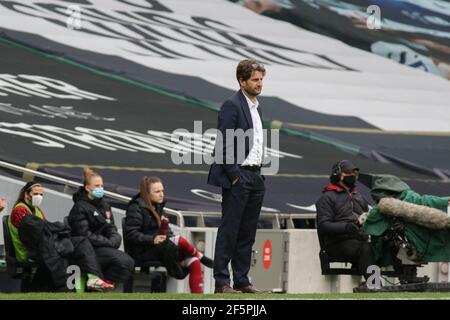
x=241, y=206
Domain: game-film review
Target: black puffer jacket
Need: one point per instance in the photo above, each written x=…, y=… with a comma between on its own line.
x=50, y=244
x=141, y=226
x=335, y=209
x=139, y=232
x=93, y=219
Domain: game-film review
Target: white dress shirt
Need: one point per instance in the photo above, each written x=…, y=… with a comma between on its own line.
x=255, y=155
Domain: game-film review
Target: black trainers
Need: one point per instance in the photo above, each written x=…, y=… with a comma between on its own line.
x=207, y=262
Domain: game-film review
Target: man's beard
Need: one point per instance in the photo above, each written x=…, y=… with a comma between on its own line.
x=253, y=92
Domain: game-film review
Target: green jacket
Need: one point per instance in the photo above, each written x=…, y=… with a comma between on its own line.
x=20, y=250
x=431, y=245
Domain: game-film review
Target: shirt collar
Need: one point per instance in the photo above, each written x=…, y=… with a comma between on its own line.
x=250, y=102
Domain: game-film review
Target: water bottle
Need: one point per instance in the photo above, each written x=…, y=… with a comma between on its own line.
x=164, y=227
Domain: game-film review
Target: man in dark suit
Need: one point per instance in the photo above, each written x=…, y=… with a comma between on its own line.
x=237, y=170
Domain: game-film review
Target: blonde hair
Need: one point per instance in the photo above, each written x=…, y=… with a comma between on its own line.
x=88, y=174
x=146, y=183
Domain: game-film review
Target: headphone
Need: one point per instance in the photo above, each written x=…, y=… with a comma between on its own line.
x=337, y=171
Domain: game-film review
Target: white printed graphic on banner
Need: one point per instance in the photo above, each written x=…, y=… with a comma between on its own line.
x=207, y=38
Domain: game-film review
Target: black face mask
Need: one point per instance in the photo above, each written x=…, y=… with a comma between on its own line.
x=349, y=181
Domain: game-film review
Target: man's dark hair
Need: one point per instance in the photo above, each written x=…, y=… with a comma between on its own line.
x=246, y=67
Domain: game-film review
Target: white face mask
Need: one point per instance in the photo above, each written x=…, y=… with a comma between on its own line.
x=36, y=200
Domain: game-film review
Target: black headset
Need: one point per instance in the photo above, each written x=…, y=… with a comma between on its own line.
x=337, y=170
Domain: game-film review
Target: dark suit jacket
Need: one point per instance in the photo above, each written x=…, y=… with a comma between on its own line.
x=234, y=114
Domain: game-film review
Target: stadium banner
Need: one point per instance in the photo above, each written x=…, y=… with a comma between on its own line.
x=317, y=86
x=415, y=33
x=207, y=38
x=58, y=117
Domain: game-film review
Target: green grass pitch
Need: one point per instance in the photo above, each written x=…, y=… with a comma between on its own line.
x=173, y=296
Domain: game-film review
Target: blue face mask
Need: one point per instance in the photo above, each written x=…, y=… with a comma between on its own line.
x=98, y=193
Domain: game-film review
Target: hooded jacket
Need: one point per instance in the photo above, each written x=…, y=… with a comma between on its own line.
x=93, y=219
x=335, y=209
x=140, y=229
x=141, y=226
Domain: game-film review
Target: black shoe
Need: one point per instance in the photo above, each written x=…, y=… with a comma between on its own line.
x=207, y=262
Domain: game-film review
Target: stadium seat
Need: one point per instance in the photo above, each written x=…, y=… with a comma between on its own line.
x=16, y=269
x=405, y=273
x=325, y=264
x=326, y=260
x=158, y=282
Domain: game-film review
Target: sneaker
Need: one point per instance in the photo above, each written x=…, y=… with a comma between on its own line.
x=99, y=285
x=207, y=262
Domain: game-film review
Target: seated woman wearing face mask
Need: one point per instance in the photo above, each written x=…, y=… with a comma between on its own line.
x=91, y=217
x=32, y=237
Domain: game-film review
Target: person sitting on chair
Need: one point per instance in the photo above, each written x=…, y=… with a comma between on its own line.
x=338, y=227
x=149, y=237
x=30, y=237
x=91, y=217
